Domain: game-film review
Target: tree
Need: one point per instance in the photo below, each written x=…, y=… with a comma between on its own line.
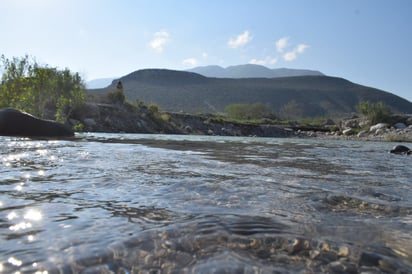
x=247, y=111
x=40, y=90
x=374, y=112
x=117, y=96
x=292, y=110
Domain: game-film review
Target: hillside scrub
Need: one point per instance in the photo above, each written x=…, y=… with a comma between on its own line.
x=117, y=96
x=292, y=110
x=177, y=91
x=247, y=111
x=375, y=112
x=40, y=90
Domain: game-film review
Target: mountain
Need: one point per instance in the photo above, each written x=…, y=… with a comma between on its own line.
x=190, y=92
x=99, y=83
x=251, y=71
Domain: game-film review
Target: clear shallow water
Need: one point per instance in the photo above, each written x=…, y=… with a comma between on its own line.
x=199, y=204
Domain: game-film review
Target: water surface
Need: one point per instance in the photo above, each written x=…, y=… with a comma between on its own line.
x=125, y=203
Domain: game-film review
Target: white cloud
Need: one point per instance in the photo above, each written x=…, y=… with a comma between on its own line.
x=301, y=48
x=159, y=40
x=190, y=62
x=240, y=40
x=290, y=56
x=267, y=61
x=281, y=44
x=293, y=54
x=205, y=55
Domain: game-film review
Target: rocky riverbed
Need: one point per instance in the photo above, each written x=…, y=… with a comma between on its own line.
x=399, y=130
x=112, y=118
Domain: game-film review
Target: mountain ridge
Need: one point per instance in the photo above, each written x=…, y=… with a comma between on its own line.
x=177, y=91
x=251, y=71
x=99, y=82
x=215, y=71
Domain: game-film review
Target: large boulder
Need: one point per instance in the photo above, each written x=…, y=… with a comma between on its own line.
x=399, y=126
x=379, y=126
x=16, y=123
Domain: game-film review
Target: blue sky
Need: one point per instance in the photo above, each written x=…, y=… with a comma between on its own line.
x=365, y=41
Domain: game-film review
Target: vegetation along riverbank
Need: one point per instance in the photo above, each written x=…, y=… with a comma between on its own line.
x=60, y=95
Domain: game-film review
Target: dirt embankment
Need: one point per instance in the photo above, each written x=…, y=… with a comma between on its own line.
x=119, y=118
x=116, y=118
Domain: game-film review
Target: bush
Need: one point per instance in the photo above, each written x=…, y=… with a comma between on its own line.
x=291, y=110
x=247, y=111
x=116, y=96
x=165, y=117
x=375, y=112
x=78, y=127
x=154, y=108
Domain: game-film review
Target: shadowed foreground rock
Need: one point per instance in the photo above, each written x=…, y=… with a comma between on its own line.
x=400, y=149
x=17, y=123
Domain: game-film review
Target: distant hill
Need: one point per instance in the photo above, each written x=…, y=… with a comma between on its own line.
x=252, y=71
x=190, y=92
x=99, y=83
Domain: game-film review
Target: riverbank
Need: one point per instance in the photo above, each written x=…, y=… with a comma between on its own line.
x=126, y=118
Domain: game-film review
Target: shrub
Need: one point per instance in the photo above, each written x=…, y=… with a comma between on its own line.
x=292, y=110
x=375, y=112
x=165, y=117
x=116, y=96
x=247, y=111
x=78, y=127
x=154, y=108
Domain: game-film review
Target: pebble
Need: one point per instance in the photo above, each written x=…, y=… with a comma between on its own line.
x=324, y=247
x=313, y=254
x=343, y=251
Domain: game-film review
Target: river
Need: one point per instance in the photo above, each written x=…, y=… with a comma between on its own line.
x=129, y=203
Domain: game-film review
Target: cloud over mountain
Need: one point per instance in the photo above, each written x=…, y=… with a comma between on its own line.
x=190, y=62
x=240, y=40
x=281, y=44
x=264, y=62
x=283, y=51
x=293, y=54
x=159, y=40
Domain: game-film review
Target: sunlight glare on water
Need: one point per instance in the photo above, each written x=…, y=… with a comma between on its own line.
x=161, y=203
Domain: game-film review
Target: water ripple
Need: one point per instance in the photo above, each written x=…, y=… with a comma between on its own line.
x=155, y=203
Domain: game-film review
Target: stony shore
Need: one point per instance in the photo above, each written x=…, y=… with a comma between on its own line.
x=399, y=130
x=127, y=119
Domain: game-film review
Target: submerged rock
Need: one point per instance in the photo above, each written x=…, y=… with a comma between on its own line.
x=401, y=149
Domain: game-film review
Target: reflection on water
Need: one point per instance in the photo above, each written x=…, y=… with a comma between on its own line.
x=161, y=203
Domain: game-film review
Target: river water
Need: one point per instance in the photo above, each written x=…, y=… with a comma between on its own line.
x=124, y=203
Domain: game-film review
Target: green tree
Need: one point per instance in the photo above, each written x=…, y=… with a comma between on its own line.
x=247, y=111
x=40, y=90
x=117, y=96
x=375, y=112
x=292, y=110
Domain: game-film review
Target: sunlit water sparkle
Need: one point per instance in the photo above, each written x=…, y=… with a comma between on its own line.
x=200, y=204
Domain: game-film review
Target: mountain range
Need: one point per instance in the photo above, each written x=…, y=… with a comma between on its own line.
x=99, y=83
x=190, y=92
x=251, y=71
x=239, y=71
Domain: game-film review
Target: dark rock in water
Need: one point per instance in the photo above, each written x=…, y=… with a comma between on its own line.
x=16, y=123
x=369, y=259
x=400, y=149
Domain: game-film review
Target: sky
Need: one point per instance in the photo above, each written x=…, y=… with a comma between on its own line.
x=368, y=42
